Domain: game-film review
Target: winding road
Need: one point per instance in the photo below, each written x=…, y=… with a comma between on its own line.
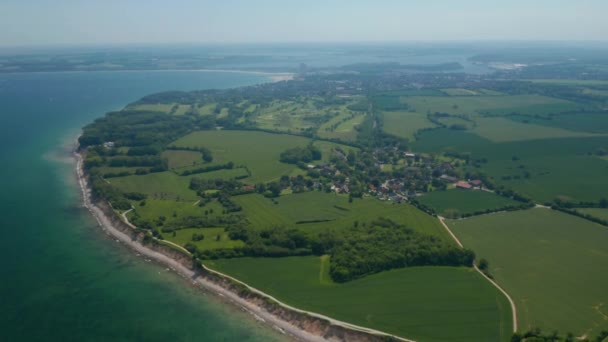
x=513, y=308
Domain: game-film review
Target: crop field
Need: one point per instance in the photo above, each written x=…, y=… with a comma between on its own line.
x=173, y=210
x=460, y=92
x=551, y=264
x=452, y=203
x=577, y=178
x=555, y=167
x=421, y=303
x=454, y=120
x=162, y=185
x=405, y=124
x=489, y=105
x=582, y=122
x=210, y=241
x=601, y=213
x=500, y=129
x=160, y=107
x=259, y=151
x=315, y=206
x=179, y=159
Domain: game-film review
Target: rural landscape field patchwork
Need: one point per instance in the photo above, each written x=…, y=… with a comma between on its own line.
x=349, y=199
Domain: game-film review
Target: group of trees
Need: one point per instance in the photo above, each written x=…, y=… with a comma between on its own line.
x=384, y=245
x=536, y=335
x=365, y=249
x=300, y=154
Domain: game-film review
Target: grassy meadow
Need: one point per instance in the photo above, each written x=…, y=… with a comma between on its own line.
x=601, y=213
x=300, y=210
x=555, y=167
x=421, y=303
x=549, y=262
x=405, y=124
x=456, y=202
x=259, y=151
x=489, y=105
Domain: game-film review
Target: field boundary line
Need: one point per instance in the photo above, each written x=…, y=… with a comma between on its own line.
x=513, y=308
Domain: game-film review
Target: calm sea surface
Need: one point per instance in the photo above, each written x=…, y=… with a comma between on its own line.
x=61, y=277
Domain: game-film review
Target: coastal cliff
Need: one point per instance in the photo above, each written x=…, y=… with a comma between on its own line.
x=293, y=322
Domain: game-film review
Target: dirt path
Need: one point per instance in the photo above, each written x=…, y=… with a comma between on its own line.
x=260, y=314
x=513, y=308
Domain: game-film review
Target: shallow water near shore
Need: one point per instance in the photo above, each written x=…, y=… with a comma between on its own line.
x=62, y=278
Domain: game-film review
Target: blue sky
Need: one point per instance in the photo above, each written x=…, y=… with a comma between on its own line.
x=34, y=22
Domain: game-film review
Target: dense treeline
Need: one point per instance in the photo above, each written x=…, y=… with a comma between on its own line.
x=301, y=154
x=210, y=168
x=384, y=245
x=536, y=335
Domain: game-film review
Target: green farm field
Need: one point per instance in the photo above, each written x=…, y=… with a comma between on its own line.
x=453, y=203
x=184, y=236
x=405, y=124
x=489, y=105
x=311, y=206
x=500, y=129
x=179, y=159
x=259, y=151
x=583, y=122
x=556, y=167
x=601, y=213
x=549, y=262
x=421, y=303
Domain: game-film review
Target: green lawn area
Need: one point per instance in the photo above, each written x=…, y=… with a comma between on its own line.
x=263, y=213
x=551, y=263
x=183, y=236
x=421, y=303
x=259, y=151
x=489, y=105
x=405, y=124
x=601, y=213
x=453, y=203
x=179, y=159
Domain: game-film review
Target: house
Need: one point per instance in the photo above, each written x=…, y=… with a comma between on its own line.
x=248, y=188
x=463, y=185
x=476, y=183
x=409, y=155
x=310, y=166
x=109, y=144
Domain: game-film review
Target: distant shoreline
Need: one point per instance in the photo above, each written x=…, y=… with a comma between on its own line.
x=274, y=76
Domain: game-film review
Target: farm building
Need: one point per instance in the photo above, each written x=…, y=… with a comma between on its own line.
x=463, y=185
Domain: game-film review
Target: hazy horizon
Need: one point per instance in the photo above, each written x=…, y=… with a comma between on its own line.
x=68, y=22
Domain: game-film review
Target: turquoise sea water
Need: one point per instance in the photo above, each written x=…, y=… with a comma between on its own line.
x=61, y=277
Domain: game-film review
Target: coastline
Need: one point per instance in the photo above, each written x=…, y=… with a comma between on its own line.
x=292, y=322
x=273, y=76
